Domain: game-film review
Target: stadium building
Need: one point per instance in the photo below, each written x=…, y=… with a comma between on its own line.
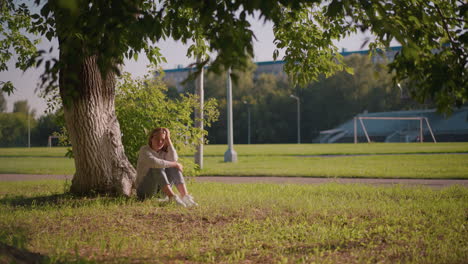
x=177, y=75
x=405, y=129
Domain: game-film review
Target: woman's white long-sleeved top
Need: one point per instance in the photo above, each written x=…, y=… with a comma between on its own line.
x=149, y=158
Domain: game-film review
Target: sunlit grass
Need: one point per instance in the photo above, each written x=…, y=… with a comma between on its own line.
x=37, y=165
x=281, y=149
x=259, y=223
x=384, y=166
x=33, y=152
x=334, y=149
x=286, y=160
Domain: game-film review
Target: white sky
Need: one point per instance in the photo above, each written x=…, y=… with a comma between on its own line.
x=174, y=52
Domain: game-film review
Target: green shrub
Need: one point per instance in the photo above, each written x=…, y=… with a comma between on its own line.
x=142, y=104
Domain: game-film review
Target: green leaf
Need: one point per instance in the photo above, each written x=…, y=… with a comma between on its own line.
x=7, y=87
x=50, y=35
x=275, y=54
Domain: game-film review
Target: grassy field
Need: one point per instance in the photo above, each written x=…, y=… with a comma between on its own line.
x=37, y=165
x=254, y=223
x=282, y=149
x=398, y=166
x=337, y=149
x=310, y=160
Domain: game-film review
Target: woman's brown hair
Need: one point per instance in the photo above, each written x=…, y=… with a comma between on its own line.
x=157, y=131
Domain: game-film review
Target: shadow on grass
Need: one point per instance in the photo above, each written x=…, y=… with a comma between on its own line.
x=18, y=254
x=21, y=201
x=62, y=200
x=13, y=247
x=11, y=254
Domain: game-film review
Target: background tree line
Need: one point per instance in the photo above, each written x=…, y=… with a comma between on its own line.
x=14, y=125
x=325, y=103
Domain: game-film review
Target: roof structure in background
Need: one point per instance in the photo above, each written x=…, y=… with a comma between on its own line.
x=445, y=128
x=176, y=76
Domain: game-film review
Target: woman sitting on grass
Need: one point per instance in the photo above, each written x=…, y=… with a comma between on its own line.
x=158, y=169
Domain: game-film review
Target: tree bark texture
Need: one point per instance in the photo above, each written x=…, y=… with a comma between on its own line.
x=101, y=164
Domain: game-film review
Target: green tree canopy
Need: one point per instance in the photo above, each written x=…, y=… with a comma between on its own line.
x=94, y=37
x=46, y=126
x=23, y=107
x=14, y=130
x=325, y=103
x=432, y=33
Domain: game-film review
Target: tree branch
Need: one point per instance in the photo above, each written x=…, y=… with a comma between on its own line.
x=454, y=45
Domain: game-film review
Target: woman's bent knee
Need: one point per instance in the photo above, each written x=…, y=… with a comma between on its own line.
x=175, y=176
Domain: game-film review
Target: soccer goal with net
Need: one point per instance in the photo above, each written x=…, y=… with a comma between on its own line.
x=420, y=130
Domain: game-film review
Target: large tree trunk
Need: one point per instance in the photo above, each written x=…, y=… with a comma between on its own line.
x=100, y=161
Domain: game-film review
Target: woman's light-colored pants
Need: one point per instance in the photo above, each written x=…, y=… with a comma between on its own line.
x=156, y=178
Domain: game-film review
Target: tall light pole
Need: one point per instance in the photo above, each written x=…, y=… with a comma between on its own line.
x=248, y=121
x=230, y=155
x=29, y=130
x=298, y=118
x=199, y=117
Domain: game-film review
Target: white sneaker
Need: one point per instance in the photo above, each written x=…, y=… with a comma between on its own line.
x=177, y=200
x=188, y=200
x=163, y=200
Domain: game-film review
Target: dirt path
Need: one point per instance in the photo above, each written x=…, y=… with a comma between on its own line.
x=434, y=183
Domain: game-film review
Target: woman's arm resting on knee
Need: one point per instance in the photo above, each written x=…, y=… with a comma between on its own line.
x=177, y=165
